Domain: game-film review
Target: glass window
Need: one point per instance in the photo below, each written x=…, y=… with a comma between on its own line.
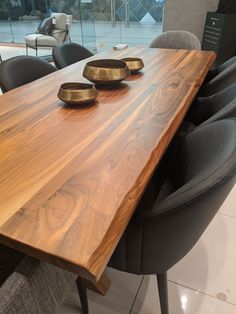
x=97, y=24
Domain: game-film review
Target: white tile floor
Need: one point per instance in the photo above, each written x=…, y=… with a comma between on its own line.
x=202, y=283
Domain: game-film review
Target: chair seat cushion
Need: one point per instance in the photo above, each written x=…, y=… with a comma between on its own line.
x=42, y=40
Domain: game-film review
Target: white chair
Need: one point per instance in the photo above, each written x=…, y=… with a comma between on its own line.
x=60, y=33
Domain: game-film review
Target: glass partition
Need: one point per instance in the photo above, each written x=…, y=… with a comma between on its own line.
x=21, y=17
x=88, y=32
x=141, y=20
x=135, y=22
x=97, y=24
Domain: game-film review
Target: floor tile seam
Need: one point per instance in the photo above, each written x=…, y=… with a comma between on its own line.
x=201, y=292
x=227, y=215
x=136, y=295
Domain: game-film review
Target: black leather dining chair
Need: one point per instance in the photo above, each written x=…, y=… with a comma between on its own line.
x=67, y=53
x=220, y=68
x=21, y=70
x=223, y=80
x=171, y=217
x=216, y=107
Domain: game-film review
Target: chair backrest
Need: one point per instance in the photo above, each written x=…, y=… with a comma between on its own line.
x=217, y=70
x=227, y=112
x=216, y=107
x=202, y=173
x=61, y=27
x=32, y=286
x=223, y=80
x=69, y=24
x=68, y=53
x=176, y=40
x=14, y=73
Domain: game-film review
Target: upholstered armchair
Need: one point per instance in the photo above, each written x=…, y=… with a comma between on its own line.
x=60, y=32
x=176, y=40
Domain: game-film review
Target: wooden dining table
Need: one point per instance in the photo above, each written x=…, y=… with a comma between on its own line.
x=71, y=176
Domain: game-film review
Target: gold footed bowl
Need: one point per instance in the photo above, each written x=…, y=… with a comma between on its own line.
x=77, y=93
x=134, y=64
x=106, y=71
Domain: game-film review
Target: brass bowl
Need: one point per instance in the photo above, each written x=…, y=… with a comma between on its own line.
x=77, y=93
x=106, y=71
x=134, y=64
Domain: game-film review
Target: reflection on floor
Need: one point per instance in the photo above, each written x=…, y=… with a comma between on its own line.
x=202, y=283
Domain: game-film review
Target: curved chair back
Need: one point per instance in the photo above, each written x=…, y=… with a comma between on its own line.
x=68, y=53
x=179, y=203
x=221, y=81
x=217, y=70
x=176, y=40
x=216, y=107
x=201, y=176
x=30, y=286
x=21, y=70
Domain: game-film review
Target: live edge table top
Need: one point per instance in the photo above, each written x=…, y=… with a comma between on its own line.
x=70, y=178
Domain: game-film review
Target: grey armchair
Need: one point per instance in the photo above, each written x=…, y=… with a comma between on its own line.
x=186, y=192
x=221, y=81
x=176, y=40
x=219, y=106
x=217, y=70
x=201, y=175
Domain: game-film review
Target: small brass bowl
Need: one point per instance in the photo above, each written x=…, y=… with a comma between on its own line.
x=134, y=64
x=106, y=71
x=77, y=93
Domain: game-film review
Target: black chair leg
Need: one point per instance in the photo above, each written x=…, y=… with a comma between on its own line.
x=81, y=286
x=163, y=292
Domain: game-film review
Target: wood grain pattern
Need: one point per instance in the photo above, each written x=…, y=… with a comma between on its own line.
x=70, y=178
x=101, y=287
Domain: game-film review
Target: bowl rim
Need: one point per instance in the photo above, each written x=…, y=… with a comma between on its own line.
x=121, y=62
x=87, y=86
x=132, y=59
